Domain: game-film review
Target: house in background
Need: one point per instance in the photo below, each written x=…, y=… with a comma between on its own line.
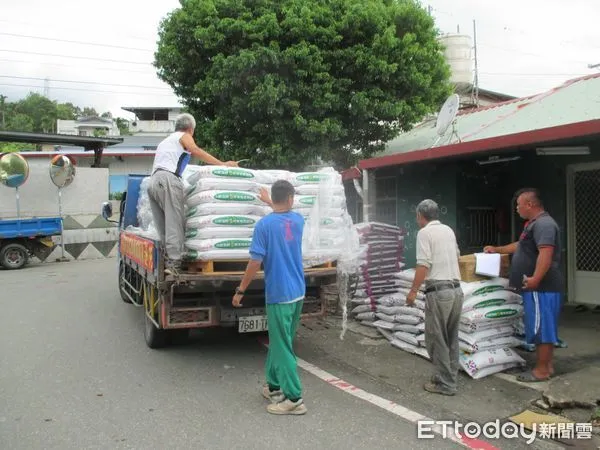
x=550, y=141
x=152, y=121
x=88, y=126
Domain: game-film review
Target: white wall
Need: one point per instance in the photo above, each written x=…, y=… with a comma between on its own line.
x=39, y=197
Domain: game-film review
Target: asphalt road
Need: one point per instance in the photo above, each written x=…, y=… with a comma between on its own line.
x=75, y=373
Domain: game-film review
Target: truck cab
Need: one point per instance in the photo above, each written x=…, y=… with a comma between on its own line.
x=201, y=295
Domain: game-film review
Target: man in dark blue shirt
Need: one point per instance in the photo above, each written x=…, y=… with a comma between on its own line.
x=535, y=273
x=277, y=244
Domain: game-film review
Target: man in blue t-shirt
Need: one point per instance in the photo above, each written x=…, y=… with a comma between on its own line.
x=277, y=244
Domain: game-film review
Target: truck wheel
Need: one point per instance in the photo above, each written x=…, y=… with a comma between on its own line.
x=121, y=286
x=154, y=337
x=13, y=256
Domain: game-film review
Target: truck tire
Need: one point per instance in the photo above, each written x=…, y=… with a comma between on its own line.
x=154, y=337
x=13, y=256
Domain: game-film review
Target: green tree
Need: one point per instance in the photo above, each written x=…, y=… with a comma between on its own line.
x=20, y=122
x=89, y=112
x=123, y=125
x=41, y=110
x=286, y=81
x=67, y=111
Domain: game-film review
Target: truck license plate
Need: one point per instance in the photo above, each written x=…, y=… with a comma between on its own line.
x=251, y=324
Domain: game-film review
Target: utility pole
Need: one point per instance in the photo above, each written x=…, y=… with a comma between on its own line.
x=47, y=87
x=2, y=99
x=476, y=78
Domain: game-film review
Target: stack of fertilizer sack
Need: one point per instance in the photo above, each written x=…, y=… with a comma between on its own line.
x=400, y=324
x=222, y=207
x=491, y=314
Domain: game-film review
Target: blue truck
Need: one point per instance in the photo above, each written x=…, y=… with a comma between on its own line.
x=198, y=297
x=22, y=238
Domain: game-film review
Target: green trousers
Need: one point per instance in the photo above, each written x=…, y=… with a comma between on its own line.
x=281, y=367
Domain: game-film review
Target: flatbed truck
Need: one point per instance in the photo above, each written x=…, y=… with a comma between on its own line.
x=199, y=297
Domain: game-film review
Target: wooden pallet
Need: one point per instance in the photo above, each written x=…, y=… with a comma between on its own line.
x=233, y=266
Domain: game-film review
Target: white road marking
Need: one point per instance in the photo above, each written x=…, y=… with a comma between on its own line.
x=390, y=406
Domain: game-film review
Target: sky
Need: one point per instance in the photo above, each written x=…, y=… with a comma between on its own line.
x=101, y=55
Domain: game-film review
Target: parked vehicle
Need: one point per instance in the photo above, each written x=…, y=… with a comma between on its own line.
x=199, y=297
x=22, y=238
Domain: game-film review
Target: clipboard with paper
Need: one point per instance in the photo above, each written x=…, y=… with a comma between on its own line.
x=488, y=264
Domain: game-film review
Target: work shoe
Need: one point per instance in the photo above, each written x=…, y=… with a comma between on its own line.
x=287, y=407
x=437, y=389
x=274, y=396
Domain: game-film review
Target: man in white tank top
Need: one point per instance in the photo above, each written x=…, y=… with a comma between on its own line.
x=166, y=188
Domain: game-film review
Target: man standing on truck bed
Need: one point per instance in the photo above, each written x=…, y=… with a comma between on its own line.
x=166, y=189
x=277, y=243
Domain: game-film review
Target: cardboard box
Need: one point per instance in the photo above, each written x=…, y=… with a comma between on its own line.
x=467, y=263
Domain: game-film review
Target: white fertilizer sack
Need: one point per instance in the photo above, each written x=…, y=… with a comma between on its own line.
x=236, y=220
x=402, y=345
x=391, y=326
x=401, y=310
x=362, y=309
x=308, y=201
x=220, y=172
x=406, y=337
x=219, y=209
x=384, y=332
x=302, y=178
x=221, y=196
x=366, y=316
x=484, y=335
x=217, y=184
x=503, y=359
x=219, y=233
x=216, y=245
x=494, y=298
x=421, y=339
x=217, y=255
x=482, y=287
x=494, y=369
x=409, y=320
x=492, y=313
x=491, y=344
x=313, y=189
x=480, y=326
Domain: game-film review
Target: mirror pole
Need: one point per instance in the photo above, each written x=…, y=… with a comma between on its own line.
x=62, y=234
x=18, y=203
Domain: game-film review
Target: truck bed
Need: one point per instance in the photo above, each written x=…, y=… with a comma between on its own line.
x=30, y=228
x=143, y=253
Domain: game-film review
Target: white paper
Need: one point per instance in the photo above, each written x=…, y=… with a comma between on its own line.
x=487, y=264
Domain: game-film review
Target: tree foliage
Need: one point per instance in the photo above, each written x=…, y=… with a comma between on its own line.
x=36, y=113
x=284, y=82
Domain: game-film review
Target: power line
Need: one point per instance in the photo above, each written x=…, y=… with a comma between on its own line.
x=517, y=74
x=109, y=69
x=74, y=42
x=77, y=57
x=85, y=82
x=88, y=90
x=43, y=25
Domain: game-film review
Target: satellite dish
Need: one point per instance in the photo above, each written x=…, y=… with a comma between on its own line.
x=447, y=114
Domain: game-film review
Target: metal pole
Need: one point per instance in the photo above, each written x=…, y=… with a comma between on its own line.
x=62, y=235
x=476, y=66
x=366, y=196
x=18, y=203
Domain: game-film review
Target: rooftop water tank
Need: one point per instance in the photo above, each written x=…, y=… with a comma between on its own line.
x=458, y=53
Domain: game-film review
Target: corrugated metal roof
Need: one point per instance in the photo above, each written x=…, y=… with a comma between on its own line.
x=575, y=101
